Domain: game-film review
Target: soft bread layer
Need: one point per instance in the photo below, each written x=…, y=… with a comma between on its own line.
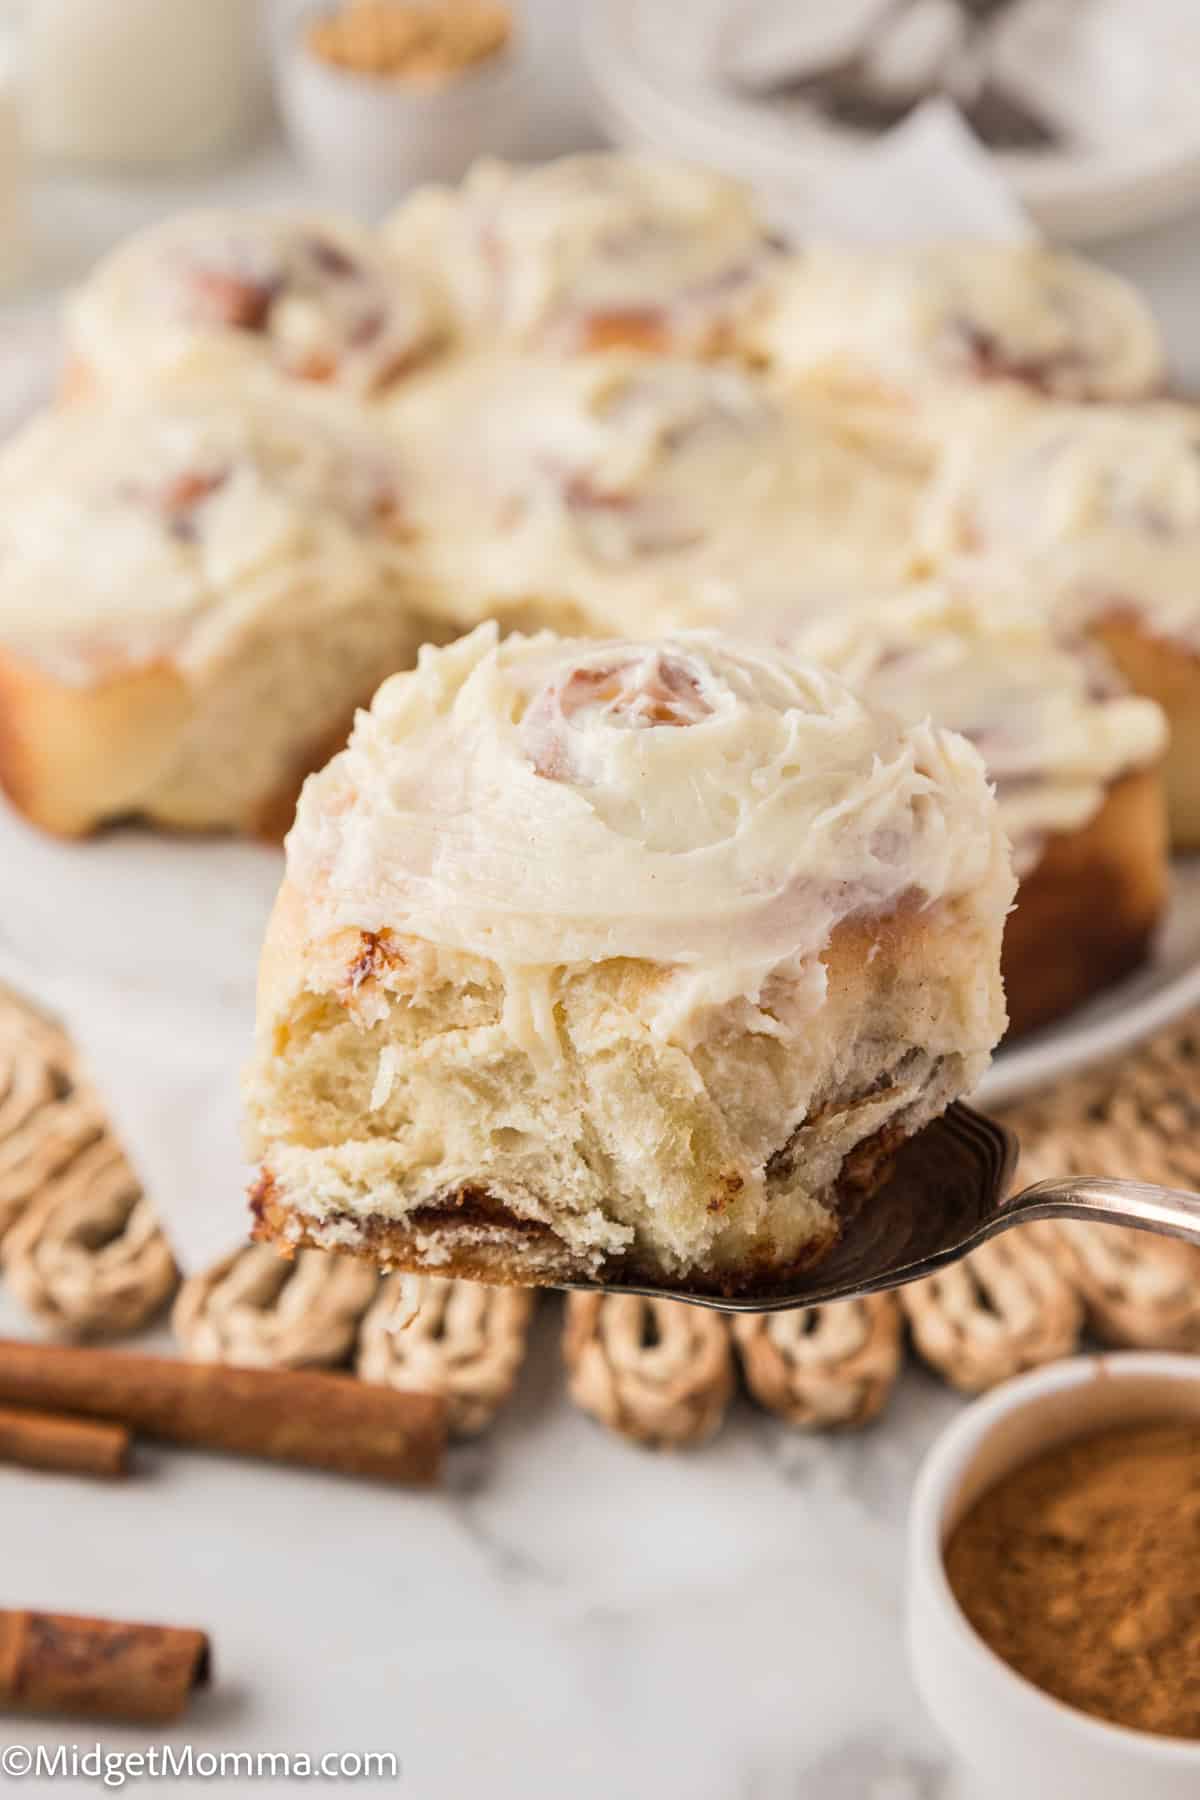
x=1086, y=913
x=227, y=749
x=396, y=1107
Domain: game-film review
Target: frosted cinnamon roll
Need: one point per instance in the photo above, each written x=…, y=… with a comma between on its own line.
x=1075, y=760
x=619, y=958
x=315, y=298
x=594, y=251
x=197, y=587
x=620, y=493
x=1098, y=509
x=888, y=332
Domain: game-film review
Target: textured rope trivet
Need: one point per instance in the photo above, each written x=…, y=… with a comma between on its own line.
x=655, y=1370
x=457, y=1338
x=87, y=1255
x=44, y=1118
x=1008, y=1307
x=260, y=1310
x=79, y=1246
x=1138, y=1117
x=823, y=1365
x=79, y=1243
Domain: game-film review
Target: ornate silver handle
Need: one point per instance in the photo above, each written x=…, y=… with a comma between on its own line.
x=1140, y=1204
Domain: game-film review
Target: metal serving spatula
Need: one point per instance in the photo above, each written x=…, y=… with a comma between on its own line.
x=946, y=1196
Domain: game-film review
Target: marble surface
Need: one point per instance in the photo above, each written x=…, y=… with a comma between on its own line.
x=572, y=1615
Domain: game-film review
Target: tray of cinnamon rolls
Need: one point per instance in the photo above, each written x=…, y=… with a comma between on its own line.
x=747, y=623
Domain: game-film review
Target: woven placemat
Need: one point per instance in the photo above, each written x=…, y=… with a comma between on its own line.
x=80, y=1246
x=81, y=1249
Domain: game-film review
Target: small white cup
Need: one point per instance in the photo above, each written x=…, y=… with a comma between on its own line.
x=366, y=140
x=1020, y=1741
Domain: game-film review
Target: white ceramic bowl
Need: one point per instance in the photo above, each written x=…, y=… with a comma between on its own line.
x=657, y=71
x=1017, y=1739
x=366, y=140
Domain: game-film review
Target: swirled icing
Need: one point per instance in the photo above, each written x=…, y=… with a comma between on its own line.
x=316, y=296
x=695, y=802
x=164, y=523
x=1052, y=720
x=549, y=253
x=964, y=311
x=652, y=491
x=1099, y=506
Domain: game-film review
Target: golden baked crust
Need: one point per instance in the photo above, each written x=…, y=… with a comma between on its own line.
x=72, y=757
x=1086, y=913
x=1169, y=673
x=231, y=753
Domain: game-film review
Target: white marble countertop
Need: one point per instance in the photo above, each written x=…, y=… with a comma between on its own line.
x=572, y=1616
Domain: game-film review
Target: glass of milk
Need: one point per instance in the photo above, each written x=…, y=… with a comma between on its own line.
x=135, y=82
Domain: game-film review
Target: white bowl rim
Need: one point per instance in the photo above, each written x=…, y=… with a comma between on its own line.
x=1078, y=195
x=937, y=1479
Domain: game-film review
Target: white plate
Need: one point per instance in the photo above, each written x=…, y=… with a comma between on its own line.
x=657, y=73
x=1168, y=986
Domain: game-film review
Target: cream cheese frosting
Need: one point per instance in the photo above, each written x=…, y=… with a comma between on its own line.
x=1052, y=720
x=563, y=252
x=1098, y=506
x=964, y=311
x=166, y=523
x=694, y=802
x=314, y=296
x=652, y=492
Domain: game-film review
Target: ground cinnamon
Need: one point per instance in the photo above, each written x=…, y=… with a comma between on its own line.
x=1082, y=1570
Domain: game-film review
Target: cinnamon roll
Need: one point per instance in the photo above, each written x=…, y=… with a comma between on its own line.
x=625, y=494
x=313, y=298
x=891, y=334
x=592, y=252
x=1098, y=510
x=619, y=958
x=1075, y=760
x=198, y=586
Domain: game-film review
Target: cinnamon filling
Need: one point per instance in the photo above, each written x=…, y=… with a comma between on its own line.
x=498, y=1229
x=633, y=695
x=317, y=270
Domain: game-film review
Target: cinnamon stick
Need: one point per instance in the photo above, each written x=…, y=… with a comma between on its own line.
x=290, y=1415
x=99, y=1668
x=40, y=1440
